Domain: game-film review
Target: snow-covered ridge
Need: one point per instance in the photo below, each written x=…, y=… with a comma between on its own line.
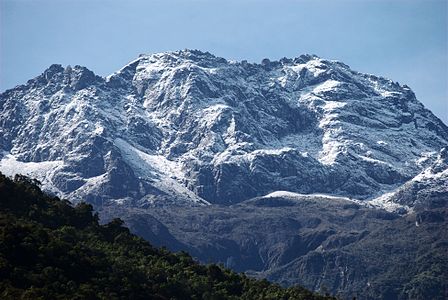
x=379, y=203
x=189, y=127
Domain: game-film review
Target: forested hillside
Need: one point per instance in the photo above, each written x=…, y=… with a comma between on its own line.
x=51, y=250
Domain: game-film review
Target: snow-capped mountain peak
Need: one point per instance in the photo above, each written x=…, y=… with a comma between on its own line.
x=190, y=127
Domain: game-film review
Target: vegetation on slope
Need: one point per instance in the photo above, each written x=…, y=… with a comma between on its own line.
x=51, y=250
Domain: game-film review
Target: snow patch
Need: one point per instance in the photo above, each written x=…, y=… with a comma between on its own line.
x=382, y=202
x=292, y=195
x=161, y=172
x=326, y=86
x=10, y=166
x=99, y=129
x=385, y=202
x=332, y=105
x=429, y=175
x=42, y=171
x=372, y=160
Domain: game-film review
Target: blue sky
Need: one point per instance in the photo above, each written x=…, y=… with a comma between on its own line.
x=405, y=40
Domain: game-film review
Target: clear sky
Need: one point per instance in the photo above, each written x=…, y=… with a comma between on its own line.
x=404, y=40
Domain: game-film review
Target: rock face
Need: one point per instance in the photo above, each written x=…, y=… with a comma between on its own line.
x=324, y=244
x=190, y=128
x=427, y=190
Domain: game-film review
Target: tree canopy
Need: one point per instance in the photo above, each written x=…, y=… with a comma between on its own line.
x=52, y=250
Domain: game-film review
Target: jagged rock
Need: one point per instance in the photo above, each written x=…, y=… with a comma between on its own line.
x=200, y=129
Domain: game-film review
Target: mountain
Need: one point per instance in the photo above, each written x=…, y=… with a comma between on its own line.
x=187, y=127
x=299, y=170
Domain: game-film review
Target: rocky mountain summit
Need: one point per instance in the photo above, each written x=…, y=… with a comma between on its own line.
x=281, y=169
x=187, y=127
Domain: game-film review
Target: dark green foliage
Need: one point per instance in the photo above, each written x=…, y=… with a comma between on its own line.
x=51, y=250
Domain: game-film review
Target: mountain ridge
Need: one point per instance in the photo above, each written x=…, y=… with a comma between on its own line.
x=299, y=124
